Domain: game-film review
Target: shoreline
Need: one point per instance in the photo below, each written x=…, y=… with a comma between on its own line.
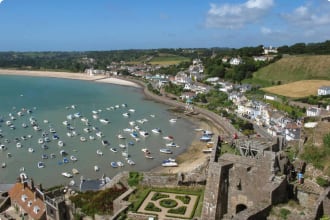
x=190, y=159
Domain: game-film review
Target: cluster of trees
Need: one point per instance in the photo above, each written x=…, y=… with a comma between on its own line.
x=303, y=48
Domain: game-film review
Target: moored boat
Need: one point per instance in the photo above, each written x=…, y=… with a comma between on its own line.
x=66, y=174
x=99, y=152
x=41, y=164
x=114, y=164
x=165, y=151
x=96, y=168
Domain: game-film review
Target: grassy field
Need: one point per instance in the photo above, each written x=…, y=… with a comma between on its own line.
x=293, y=68
x=167, y=59
x=298, y=89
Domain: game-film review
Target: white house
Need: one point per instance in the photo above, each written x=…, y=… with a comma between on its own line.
x=270, y=49
x=313, y=112
x=323, y=90
x=235, y=61
x=270, y=97
x=182, y=78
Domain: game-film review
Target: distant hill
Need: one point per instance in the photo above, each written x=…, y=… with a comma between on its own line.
x=293, y=68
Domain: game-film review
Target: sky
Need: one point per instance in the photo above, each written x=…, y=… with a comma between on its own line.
x=82, y=25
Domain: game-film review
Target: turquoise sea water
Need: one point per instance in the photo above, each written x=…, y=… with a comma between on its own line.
x=49, y=99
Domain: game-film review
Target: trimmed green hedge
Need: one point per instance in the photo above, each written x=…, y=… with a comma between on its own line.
x=168, y=203
x=159, y=195
x=152, y=207
x=180, y=210
x=185, y=199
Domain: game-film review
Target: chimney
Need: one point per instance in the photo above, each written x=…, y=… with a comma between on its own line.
x=40, y=187
x=32, y=184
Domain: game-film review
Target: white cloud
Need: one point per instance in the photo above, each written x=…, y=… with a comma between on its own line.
x=265, y=30
x=309, y=16
x=237, y=15
x=1, y=1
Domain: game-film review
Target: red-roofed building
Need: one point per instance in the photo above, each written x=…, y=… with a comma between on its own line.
x=28, y=200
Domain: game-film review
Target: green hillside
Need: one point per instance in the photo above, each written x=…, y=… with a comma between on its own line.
x=293, y=68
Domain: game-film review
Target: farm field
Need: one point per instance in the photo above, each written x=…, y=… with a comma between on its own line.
x=293, y=68
x=298, y=89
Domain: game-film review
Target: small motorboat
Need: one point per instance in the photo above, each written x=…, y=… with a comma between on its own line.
x=67, y=174
x=171, y=144
x=120, y=164
x=105, y=142
x=41, y=164
x=96, y=168
x=156, y=131
x=168, y=137
x=114, y=149
x=73, y=158
x=3, y=165
x=114, y=164
x=65, y=160
x=44, y=156
x=104, y=121
x=99, y=152
x=30, y=149
x=165, y=151
x=172, y=120
x=130, y=162
x=60, y=143
x=19, y=145
x=82, y=139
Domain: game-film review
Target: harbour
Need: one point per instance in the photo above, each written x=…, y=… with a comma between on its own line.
x=46, y=110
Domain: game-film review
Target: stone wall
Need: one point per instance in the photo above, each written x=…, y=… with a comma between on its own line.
x=323, y=204
x=138, y=216
x=159, y=179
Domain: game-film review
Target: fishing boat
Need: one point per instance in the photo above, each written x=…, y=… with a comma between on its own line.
x=156, y=130
x=104, y=121
x=73, y=158
x=67, y=174
x=99, y=152
x=96, y=168
x=113, y=149
x=114, y=164
x=41, y=164
x=165, y=151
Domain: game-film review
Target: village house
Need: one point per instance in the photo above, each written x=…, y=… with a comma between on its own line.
x=313, y=112
x=94, y=72
x=225, y=87
x=270, y=97
x=187, y=96
x=323, y=90
x=213, y=80
x=270, y=49
x=235, y=61
x=28, y=200
x=182, y=78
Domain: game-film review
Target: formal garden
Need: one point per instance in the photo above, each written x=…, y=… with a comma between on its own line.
x=170, y=204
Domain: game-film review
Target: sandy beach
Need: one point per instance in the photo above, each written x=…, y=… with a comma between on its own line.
x=188, y=161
